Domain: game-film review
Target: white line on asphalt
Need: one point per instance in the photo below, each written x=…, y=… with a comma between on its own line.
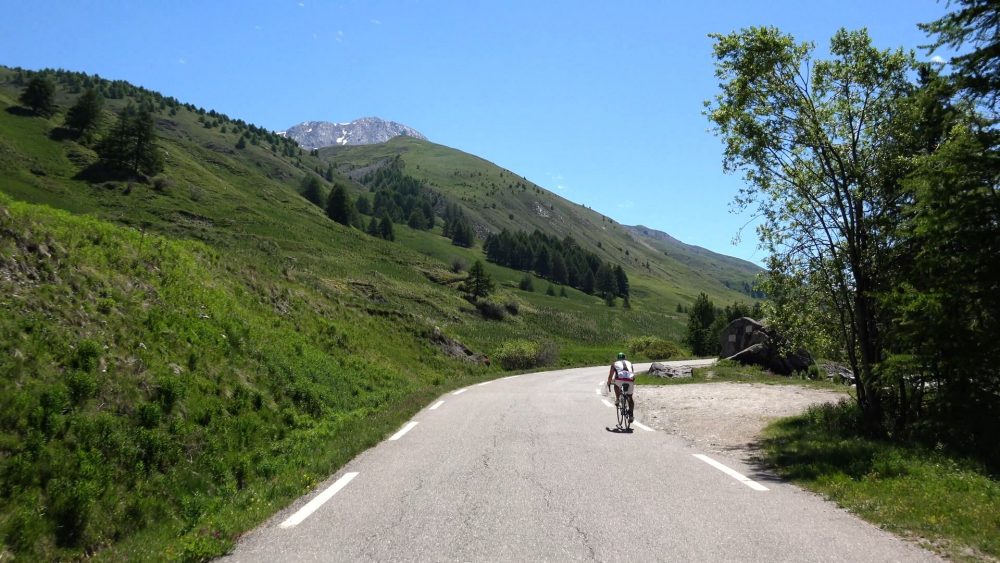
x=317, y=502
x=409, y=426
x=483, y=383
x=436, y=405
x=732, y=473
x=598, y=390
x=643, y=426
x=605, y=401
x=460, y=391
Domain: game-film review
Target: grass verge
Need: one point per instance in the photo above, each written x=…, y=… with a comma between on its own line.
x=949, y=505
x=732, y=372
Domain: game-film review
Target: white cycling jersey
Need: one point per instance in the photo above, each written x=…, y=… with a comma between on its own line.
x=624, y=376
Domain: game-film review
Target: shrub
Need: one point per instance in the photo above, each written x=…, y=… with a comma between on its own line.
x=458, y=265
x=526, y=283
x=162, y=183
x=512, y=307
x=653, y=348
x=517, y=354
x=524, y=354
x=82, y=386
x=491, y=310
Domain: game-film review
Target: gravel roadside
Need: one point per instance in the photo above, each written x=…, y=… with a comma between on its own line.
x=724, y=417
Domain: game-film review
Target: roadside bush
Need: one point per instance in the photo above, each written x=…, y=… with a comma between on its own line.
x=162, y=183
x=653, y=348
x=525, y=354
x=517, y=354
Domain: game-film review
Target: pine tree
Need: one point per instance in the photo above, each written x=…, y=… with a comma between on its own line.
x=479, y=284
x=130, y=147
x=242, y=142
x=84, y=117
x=338, y=205
x=372, y=227
x=39, y=96
x=311, y=190
x=385, y=229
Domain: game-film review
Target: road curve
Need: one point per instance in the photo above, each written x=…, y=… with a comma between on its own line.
x=526, y=467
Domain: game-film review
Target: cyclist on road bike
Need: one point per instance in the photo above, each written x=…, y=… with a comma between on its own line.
x=622, y=374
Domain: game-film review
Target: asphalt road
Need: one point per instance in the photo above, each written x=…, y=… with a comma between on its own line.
x=527, y=468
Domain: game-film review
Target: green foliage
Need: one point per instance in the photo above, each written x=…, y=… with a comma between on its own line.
x=312, y=190
x=338, y=205
x=701, y=323
x=39, y=96
x=479, y=284
x=653, y=348
x=525, y=354
x=130, y=147
x=971, y=29
x=526, y=283
x=823, y=144
x=85, y=115
x=907, y=490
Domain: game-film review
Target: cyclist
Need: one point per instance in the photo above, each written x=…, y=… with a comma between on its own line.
x=623, y=374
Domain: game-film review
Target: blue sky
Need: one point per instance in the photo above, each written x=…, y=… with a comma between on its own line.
x=598, y=101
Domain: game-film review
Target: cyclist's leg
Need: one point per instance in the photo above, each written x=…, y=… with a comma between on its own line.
x=618, y=393
x=631, y=407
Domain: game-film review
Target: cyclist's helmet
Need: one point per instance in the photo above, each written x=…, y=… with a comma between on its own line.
x=621, y=355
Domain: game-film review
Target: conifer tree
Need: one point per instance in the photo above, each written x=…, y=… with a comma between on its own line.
x=385, y=229
x=39, y=96
x=338, y=205
x=311, y=190
x=84, y=117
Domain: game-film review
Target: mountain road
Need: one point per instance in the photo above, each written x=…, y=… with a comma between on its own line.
x=531, y=467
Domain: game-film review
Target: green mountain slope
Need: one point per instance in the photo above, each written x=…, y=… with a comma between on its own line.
x=186, y=354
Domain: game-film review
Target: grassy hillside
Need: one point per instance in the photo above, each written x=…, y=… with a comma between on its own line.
x=495, y=198
x=186, y=355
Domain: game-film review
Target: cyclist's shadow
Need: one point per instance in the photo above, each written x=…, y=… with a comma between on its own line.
x=618, y=430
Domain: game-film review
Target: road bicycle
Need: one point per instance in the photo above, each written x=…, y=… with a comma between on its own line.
x=624, y=413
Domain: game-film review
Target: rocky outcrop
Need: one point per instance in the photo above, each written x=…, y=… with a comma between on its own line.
x=750, y=342
x=364, y=131
x=659, y=370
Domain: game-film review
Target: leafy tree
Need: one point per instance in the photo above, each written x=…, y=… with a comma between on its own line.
x=39, y=95
x=312, y=190
x=820, y=141
x=338, y=205
x=85, y=115
x=479, y=284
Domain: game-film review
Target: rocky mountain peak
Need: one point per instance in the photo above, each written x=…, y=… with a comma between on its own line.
x=364, y=131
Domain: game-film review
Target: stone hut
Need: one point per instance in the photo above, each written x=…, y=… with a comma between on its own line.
x=750, y=342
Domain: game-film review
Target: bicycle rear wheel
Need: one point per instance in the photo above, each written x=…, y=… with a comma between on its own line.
x=621, y=408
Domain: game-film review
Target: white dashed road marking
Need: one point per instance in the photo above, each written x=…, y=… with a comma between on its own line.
x=317, y=502
x=606, y=402
x=642, y=426
x=436, y=405
x=460, y=391
x=409, y=426
x=732, y=473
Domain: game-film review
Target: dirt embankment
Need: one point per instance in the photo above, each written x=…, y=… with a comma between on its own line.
x=724, y=417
